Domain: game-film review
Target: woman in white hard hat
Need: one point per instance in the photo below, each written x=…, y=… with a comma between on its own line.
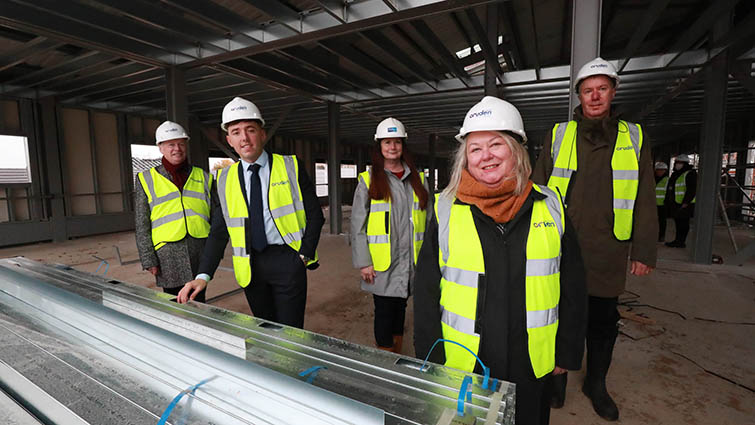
x=388, y=220
x=661, y=182
x=501, y=272
x=680, y=198
x=172, y=212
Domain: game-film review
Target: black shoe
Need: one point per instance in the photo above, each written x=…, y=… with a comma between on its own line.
x=602, y=402
x=558, y=390
x=675, y=244
x=599, y=353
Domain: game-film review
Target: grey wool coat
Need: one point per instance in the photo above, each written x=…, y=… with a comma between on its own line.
x=396, y=281
x=178, y=261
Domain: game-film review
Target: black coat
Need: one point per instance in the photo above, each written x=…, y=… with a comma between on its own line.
x=218, y=238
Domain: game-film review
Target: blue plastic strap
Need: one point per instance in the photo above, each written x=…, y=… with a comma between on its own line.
x=312, y=372
x=107, y=266
x=485, y=369
x=463, y=393
x=176, y=399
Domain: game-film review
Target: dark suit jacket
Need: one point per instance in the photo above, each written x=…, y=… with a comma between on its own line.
x=218, y=238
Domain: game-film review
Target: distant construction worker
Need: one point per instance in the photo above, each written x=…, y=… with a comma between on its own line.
x=661, y=182
x=388, y=221
x=172, y=210
x=602, y=168
x=680, y=198
x=267, y=206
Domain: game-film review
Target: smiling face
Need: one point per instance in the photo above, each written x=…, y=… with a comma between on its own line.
x=489, y=159
x=596, y=94
x=247, y=138
x=392, y=148
x=173, y=150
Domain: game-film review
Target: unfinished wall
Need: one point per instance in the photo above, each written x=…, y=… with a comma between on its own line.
x=108, y=161
x=77, y=162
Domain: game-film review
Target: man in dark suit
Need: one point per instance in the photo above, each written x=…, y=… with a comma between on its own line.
x=267, y=206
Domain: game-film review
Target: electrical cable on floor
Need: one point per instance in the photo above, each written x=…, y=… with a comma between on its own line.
x=724, y=321
x=634, y=304
x=710, y=372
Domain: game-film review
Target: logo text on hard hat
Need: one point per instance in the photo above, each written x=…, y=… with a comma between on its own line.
x=539, y=224
x=171, y=129
x=599, y=65
x=392, y=130
x=484, y=112
x=238, y=108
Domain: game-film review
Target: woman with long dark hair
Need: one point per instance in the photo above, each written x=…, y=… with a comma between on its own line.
x=388, y=220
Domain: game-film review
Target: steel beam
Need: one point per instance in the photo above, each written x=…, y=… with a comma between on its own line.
x=585, y=43
x=334, y=169
x=432, y=141
x=701, y=26
x=436, y=44
x=53, y=173
x=487, y=38
x=643, y=28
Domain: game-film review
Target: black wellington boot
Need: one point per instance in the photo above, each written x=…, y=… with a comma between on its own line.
x=558, y=390
x=599, y=352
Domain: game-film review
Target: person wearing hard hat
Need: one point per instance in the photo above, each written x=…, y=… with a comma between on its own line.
x=388, y=220
x=500, y=275
x=267, y=207
x=680, y=198
x=661, y=182
x=602, y=167
x=172, y=212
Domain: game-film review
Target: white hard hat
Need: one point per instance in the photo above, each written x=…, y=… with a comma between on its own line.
x=492, y=114
x=170, y=130
x=389, y=128
x=240, y=109
x=660, y=165
x=683, y=158
x=597, y=66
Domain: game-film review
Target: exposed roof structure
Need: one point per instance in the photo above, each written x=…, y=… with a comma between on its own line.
x=418, y=60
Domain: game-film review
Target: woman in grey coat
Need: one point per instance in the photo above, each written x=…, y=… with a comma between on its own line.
x=388, y=220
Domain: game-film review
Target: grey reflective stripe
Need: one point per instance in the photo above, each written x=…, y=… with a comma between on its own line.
x=222, y=180
x=196, y=195
x=556, y=146
x=543, y=267
x=443, y=206
x=378, y=239
x=163, y=199
x=660, y=195
x=240, y=252
x=379, y=206
x=562, y=172
x=167, y=219
x=190, y=212
x=293, y=184
x=623, y=204
x=540, y=318
x=553, y=202
x=462, y=277
x=293, y=237
x=419, y=236
x=460, y=323
x=206, y=183
x=416, y=206
x=282, y=211
x=150, y=184
x=234, y=222
x=626, y=174
x=634, y=136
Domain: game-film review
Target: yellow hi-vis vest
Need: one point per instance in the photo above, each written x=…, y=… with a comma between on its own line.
x=680, y=188
x=462, y=263
x=624, y=163
x=379, y=227
x=660, y=191
x=284, y=199
x=174, y=214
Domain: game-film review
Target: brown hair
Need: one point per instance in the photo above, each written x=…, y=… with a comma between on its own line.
x=379, y=180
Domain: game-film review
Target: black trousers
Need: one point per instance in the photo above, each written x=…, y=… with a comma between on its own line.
x=390, y=313
x=174, y=291
x=602, y=317
x=278, y=290
x=662, y=217
x=681, y=219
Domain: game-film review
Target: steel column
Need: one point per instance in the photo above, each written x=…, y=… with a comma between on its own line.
x=54, y=175
x=491, y=25
x=432, y=141
x=585, y=40
x=334, y=168
x=710, y=148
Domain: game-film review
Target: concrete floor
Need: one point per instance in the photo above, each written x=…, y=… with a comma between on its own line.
x=693, y=365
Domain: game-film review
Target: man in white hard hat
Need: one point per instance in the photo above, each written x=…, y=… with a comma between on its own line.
x=267, y=207
x=172, y=212
x=661, y=183
x=680, y=198
x=602, y=167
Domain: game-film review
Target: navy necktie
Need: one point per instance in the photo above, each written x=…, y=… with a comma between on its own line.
x=259, y=240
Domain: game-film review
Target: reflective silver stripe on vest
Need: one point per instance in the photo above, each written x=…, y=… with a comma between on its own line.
x=150, y=184
x=162, y=199
x=562, y=172
x=190, y=212
x=416, y=206
x=543, y=267
x=623, y=204
x=552, y=200
x=444, y=205
x=287, y=209
x=167, y=219
x=197, y=195
x=462, y=277
x=625, y=174
x=419, y=236
x=290, y=238
x=293, y=184
x=222, y=180
x=460, y=323
x=379, y=206
x=634, y=136
x=540, y=318
x=378, y=238
x=240, y=252
x=556, y=147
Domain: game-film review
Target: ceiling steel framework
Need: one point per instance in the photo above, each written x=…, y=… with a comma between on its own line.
x=373, y=57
